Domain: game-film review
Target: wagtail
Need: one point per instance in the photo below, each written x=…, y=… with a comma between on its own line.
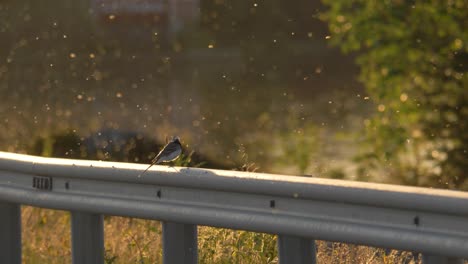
x=170, y=152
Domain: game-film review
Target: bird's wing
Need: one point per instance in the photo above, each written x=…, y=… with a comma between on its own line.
x=155, y=160
x=169, y=148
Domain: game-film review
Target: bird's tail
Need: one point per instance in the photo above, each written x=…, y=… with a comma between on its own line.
x=151, y=165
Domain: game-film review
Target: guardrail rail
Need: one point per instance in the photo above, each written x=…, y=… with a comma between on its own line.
x=297, y=209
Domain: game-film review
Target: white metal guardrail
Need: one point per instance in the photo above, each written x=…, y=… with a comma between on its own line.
x=297, y=209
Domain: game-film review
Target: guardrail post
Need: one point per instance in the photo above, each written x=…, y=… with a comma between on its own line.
x=10, y=233
x=296, y=250
x=87, y=238
x=180, y=243
x=431, y=259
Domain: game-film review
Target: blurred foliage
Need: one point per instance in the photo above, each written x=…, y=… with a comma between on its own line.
x=414, y=59
x=108, y=145
x=190, y=160
x=300, y=146
x=336, y=173
x=112, y=145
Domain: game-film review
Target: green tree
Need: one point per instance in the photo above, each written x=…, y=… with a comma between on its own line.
x=414, y=60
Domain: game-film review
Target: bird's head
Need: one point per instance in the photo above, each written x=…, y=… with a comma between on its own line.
x=176, y=139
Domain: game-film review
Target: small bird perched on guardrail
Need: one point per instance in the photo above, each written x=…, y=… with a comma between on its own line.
x=170, y=152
